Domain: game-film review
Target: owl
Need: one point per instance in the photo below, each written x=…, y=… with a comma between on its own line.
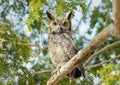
x=61, y=45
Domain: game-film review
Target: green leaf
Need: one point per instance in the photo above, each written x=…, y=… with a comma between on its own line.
x=83, y=6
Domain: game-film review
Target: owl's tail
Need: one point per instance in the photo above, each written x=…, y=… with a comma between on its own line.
x=77, y=72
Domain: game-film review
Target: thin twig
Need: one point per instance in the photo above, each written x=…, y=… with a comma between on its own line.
x=104, y=62
x=41, y=72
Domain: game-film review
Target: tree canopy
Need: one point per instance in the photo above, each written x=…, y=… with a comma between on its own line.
x=24, y=57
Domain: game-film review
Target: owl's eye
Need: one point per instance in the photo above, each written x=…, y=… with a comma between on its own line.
x=65, y=23
x=54, y=23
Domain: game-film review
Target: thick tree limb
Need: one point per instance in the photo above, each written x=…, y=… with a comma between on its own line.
x=100, y=52
x=82, y=55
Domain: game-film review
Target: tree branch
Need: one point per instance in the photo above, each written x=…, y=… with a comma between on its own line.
x=82, y=55
x=101, y=51
x=116, y=13
x=104, y=62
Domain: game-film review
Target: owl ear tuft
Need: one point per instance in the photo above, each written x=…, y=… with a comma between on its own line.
x=49, y=15
x=68, y=15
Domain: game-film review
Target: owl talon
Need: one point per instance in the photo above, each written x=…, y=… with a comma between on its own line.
x=57, y=69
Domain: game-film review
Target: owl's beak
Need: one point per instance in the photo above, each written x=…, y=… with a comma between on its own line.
x=60, y=29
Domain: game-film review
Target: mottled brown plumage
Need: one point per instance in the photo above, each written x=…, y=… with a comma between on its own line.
x=61, y=46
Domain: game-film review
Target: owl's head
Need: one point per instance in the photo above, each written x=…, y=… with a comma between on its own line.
x=59, y=25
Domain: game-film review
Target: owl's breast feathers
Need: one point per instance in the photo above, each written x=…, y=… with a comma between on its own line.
x=61, y=49
x=63, y=41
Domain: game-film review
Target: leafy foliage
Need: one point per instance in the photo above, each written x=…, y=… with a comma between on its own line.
x=110, y=74
x=23, y=40
x=13, y=55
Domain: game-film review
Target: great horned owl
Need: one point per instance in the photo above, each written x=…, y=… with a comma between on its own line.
x=61, y=46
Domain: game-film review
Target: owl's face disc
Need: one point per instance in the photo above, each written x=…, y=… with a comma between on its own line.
x=60, y=25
